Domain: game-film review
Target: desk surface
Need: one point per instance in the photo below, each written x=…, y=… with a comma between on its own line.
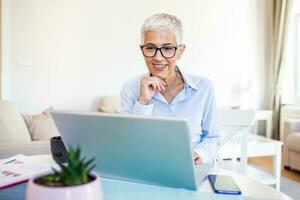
x=113, y=189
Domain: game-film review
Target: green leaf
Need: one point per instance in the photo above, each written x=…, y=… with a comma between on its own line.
x=91, y=168
x=89, y=162
x=75, y=172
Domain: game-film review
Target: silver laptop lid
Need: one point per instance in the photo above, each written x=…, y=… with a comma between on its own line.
x=134, y=148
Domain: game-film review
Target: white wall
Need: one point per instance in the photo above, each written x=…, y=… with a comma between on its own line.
x=67, y=53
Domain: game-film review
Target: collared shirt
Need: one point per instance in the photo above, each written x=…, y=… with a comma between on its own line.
x=196, y=102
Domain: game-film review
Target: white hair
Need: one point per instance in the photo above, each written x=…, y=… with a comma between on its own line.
x=163, y=21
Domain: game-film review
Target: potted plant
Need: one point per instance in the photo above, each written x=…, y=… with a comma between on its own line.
x=73, y=181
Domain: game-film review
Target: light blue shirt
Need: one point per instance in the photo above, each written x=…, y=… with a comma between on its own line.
x=196, y=102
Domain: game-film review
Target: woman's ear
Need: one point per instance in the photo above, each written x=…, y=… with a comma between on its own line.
x=181, y=50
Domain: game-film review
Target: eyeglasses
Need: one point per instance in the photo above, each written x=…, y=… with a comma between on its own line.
x=150, y=51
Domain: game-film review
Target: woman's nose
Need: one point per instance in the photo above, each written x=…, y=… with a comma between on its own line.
x=158, y=56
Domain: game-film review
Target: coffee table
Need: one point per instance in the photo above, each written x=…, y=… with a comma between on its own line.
x=113, y=189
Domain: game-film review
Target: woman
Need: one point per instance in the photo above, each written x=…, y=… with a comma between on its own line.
x=166, y=91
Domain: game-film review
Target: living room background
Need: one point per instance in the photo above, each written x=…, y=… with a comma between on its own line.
x=68, y=53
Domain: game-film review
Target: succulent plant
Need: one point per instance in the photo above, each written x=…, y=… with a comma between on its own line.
x=75, y=172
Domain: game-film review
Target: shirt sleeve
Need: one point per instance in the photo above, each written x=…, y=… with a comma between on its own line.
x=208, y=144
x=130, y=104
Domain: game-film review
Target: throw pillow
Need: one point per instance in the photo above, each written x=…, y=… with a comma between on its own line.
x=12, y=125
x=41, y=126
x=110, y=104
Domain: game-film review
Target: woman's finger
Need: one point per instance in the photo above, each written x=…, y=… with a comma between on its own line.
x=161, y=84
x=157, y=85
x=197, y=161
x=197, y=158
x=159, y=80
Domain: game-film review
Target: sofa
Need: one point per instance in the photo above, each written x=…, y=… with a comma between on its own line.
x=24, y=134
x=30, y=134
x=291, y=147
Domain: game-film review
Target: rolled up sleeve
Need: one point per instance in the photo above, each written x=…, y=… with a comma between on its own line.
x=141, y=109
x=130, y=104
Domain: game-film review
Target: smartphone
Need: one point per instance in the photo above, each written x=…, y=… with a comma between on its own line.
x=223, y=184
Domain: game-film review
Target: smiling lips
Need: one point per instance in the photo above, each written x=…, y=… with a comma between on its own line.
x=159, y=66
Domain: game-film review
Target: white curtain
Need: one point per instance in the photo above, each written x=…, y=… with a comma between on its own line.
x=281, y=12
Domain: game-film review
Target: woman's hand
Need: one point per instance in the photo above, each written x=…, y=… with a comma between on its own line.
x=149, y=85
x=197, y=158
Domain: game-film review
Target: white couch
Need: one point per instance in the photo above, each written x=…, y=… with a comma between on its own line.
x=27, y=134
x=291, y=147
x=30, y=134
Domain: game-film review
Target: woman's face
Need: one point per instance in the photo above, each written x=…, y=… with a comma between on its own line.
x=158, y=65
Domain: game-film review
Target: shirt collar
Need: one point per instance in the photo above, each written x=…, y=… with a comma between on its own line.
x=188, y=81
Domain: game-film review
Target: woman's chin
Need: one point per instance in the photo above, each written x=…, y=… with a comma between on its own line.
x=161, y=76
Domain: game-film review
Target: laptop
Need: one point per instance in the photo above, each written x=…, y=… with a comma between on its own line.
x=141, y=149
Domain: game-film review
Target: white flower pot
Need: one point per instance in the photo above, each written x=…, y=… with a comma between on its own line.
x=88, y=191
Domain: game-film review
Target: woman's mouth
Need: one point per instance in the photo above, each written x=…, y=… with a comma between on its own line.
x=159, y=66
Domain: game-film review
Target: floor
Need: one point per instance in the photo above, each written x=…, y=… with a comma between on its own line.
x=266, y=163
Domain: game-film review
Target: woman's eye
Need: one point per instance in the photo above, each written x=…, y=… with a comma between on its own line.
x=168, y=48
x=150, y=48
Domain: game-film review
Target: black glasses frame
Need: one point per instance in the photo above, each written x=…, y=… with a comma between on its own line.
x=159, y=49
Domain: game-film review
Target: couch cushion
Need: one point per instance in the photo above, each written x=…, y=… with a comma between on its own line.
x=12, y=125
x=110, y=104
x=293, y=141
x=41, y=126
x=28, y=148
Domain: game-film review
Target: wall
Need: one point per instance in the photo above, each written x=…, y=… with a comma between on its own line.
x=67, y=53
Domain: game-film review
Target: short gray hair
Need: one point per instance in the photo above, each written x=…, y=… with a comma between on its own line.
x=163, y=21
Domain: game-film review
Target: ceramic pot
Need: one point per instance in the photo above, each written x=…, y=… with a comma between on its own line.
x=88, y=191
